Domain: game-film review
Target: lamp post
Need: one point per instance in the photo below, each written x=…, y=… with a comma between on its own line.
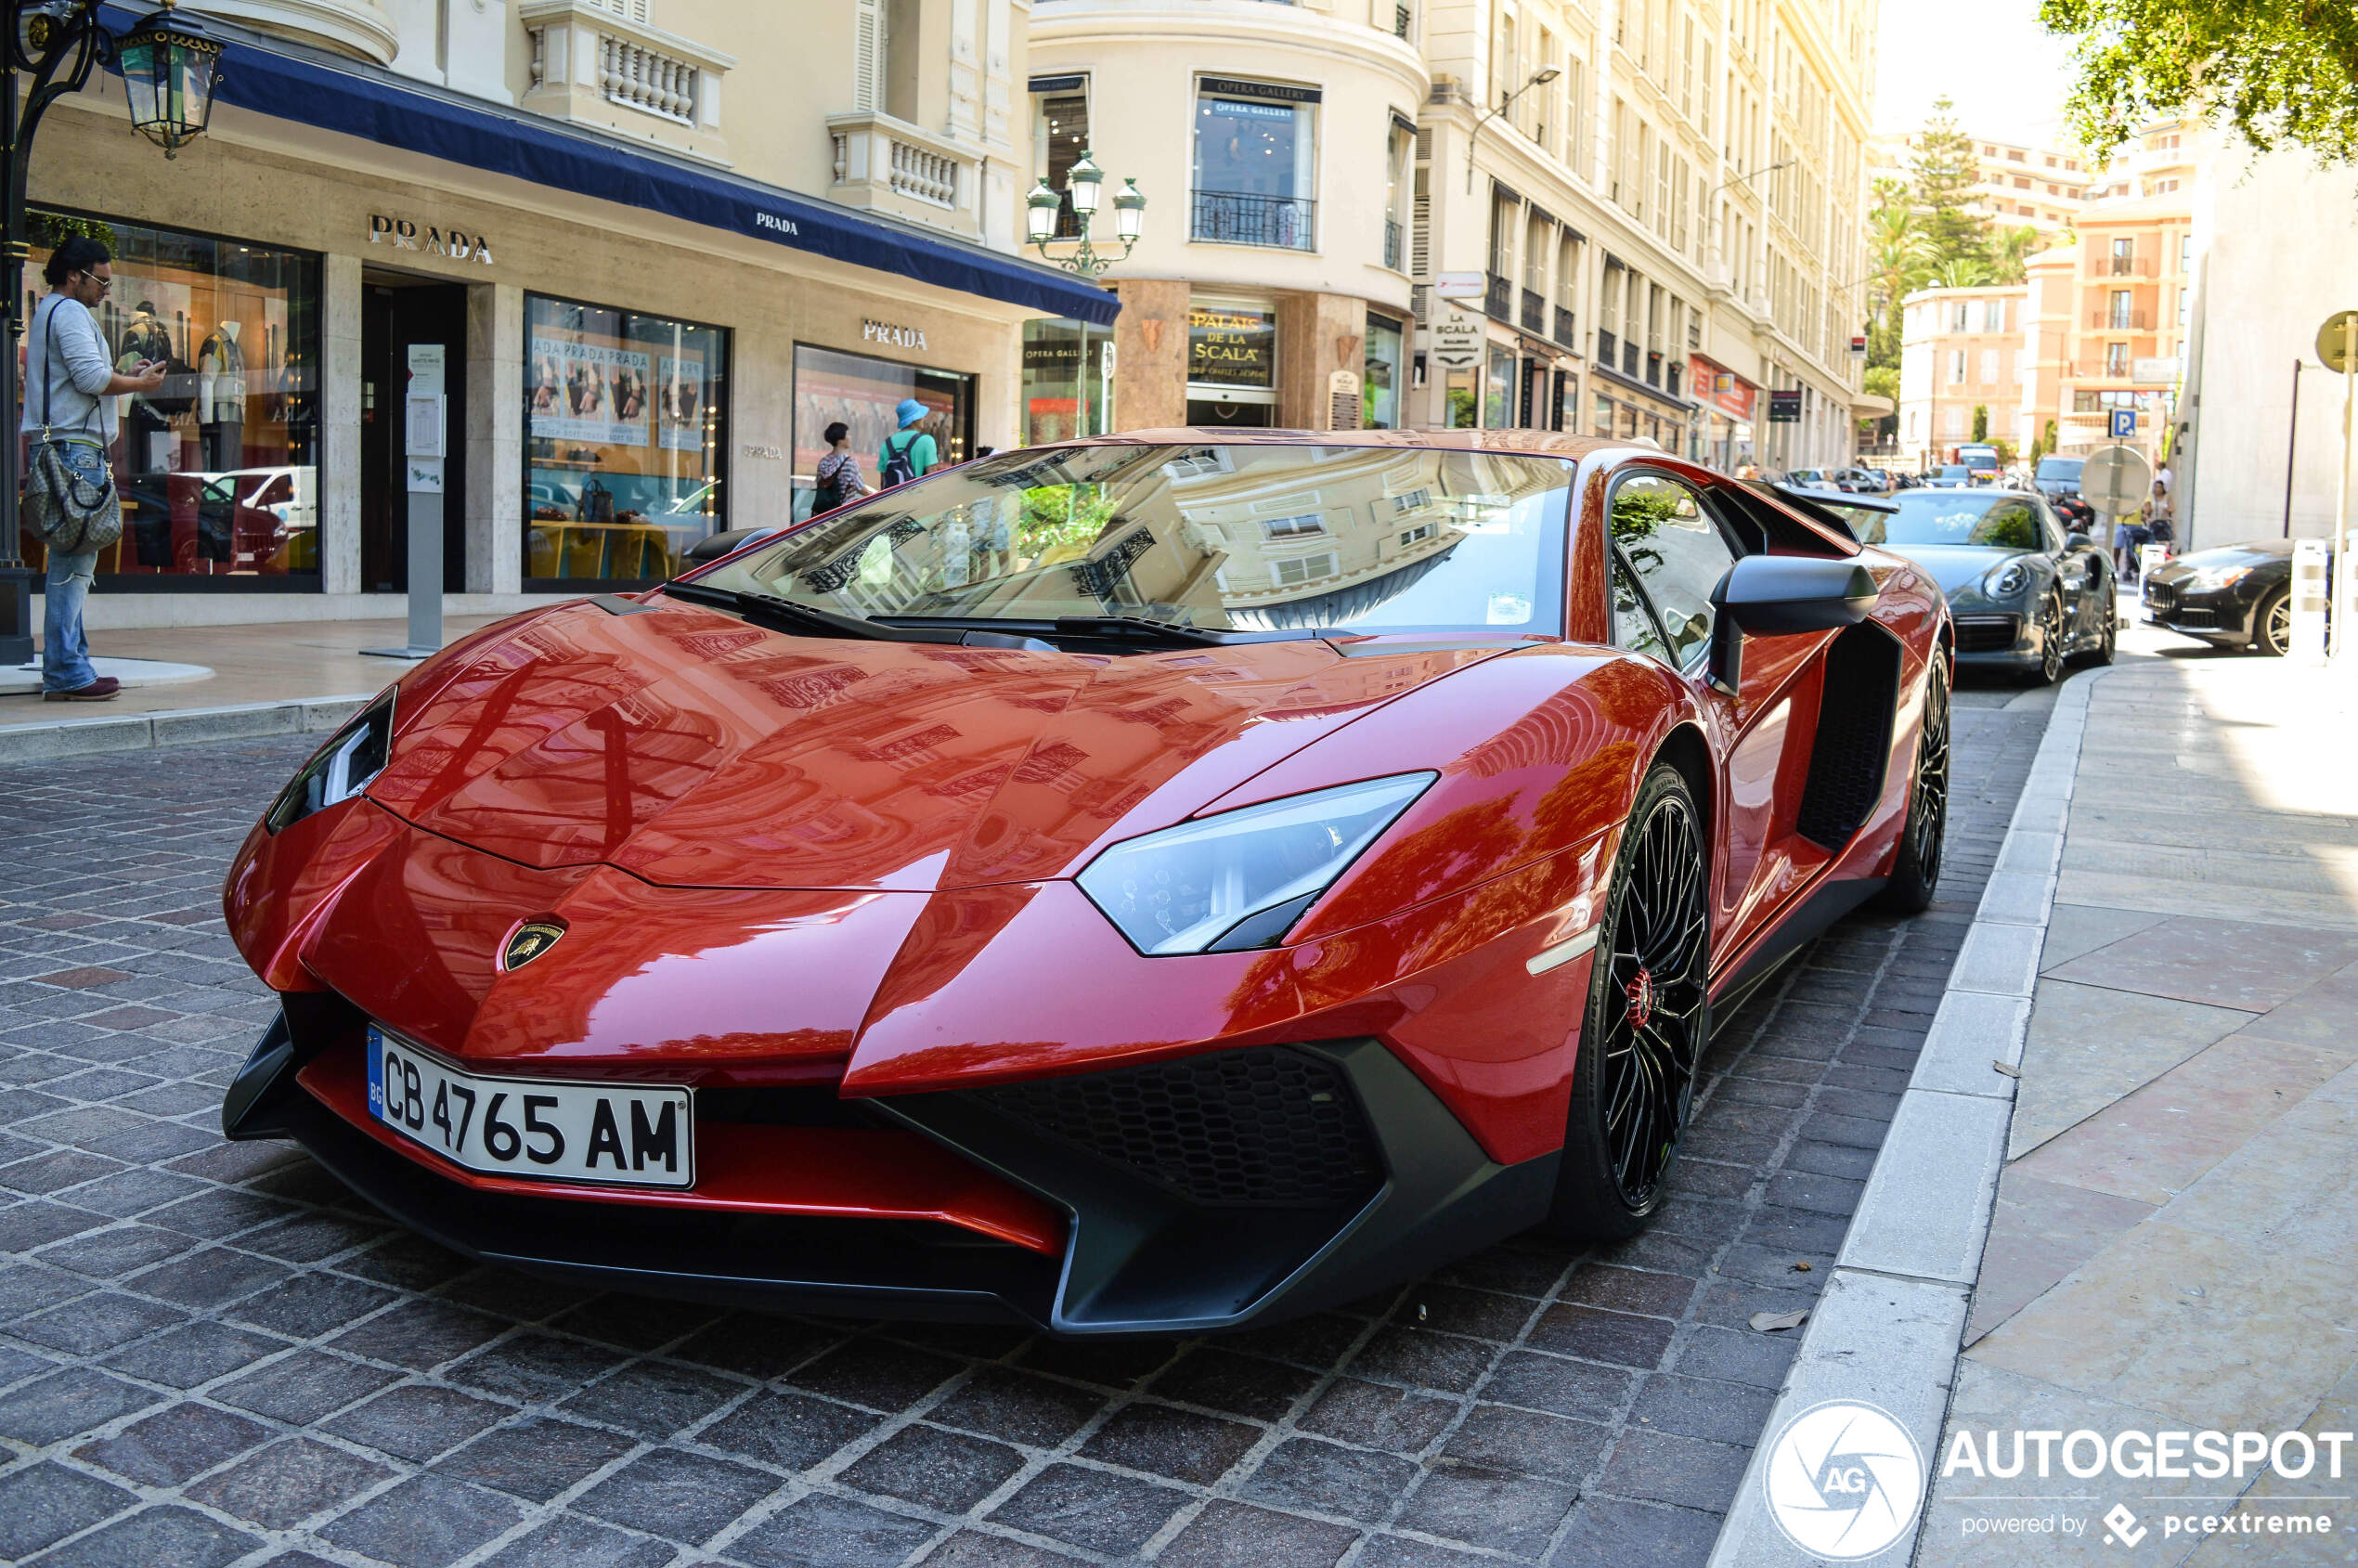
x=1084, y=183
x=170, y=67
x=1539, y=78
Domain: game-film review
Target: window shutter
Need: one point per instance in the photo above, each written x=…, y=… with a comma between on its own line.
x=867, y=56
x=1420, y=228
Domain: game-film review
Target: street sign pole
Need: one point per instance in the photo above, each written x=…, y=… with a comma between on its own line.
x=2338, y=346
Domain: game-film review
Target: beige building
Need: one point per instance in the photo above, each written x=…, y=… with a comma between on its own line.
x=2015, y=186
x=640, y=278
x=2106, y=323
x=1961, y=363
x=1661, y=226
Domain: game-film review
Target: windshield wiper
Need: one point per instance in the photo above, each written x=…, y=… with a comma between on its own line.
x=1138, y=629
x=788, y=615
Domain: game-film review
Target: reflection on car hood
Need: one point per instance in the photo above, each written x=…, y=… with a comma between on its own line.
x=1955, y=565
x=692, y=749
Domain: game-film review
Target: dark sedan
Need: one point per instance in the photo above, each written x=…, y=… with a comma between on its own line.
x=2027, y=594
x=2236, y=596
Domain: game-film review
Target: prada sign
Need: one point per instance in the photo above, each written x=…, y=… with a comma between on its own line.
x=403, y=234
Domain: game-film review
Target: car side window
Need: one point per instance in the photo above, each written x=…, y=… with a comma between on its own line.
x=1676, y=552
x=1633, y=622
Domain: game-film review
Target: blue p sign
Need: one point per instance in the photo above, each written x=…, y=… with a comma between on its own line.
x=2124, y=423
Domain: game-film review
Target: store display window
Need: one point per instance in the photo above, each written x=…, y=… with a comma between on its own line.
x=1380, y=387
x=217, y=469
x=862, y=392
x=1067, y=381
x=626, y=438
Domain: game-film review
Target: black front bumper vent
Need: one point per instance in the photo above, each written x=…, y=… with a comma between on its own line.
x=1266, y=1128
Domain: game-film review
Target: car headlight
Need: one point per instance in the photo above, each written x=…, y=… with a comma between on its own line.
x=2006, y=580
x=2210, y=579
x=338, y=771
x=1240, y=880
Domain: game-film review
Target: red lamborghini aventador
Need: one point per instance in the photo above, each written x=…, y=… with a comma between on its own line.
x=1149, y=883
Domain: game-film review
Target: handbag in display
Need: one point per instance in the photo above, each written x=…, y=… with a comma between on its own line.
x=75, y=515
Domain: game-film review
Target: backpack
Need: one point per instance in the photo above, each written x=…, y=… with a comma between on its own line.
x=897, y=468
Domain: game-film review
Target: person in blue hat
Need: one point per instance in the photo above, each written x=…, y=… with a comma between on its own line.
x=909, y=452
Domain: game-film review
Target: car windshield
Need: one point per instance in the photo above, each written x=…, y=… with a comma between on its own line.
x=2065, y=469
x=1221, y=538
x=1990, y=518
x=1952, y=470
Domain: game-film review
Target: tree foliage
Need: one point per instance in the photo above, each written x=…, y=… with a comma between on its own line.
x=2281, y=71
x=1946, y=179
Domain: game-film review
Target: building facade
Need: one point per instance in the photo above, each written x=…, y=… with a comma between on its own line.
x=1659, y=228
x=2016, y=185
x=2106, y=326
x=639, y=286
x=1961, y=365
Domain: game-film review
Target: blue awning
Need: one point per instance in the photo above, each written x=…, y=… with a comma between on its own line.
x=287, y=82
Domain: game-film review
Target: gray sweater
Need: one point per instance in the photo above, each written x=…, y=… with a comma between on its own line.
x=65, y=350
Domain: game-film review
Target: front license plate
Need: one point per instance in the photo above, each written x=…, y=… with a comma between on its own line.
x=531, y=1128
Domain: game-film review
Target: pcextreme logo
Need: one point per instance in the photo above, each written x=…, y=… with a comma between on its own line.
x=1844, y=1479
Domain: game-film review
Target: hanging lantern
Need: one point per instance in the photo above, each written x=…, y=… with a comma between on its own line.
x=170, y=67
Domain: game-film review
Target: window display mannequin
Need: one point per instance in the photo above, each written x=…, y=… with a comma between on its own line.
x=148, y=418
x=221, y=399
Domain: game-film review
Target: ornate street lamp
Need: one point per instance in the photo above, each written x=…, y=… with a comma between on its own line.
x=1084, y=185
x=170, y=69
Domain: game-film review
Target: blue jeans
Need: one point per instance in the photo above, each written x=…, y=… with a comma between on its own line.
x=65, y=653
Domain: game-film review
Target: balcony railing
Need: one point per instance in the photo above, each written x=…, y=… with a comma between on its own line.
x=585, y=58
x=1238, y=217
x=1567, y=328
x=1399, y=21
x=1392, y=239
x=886, y=165
x=1420, y=302
x=1630, y=358
x=1497, y=298
x=1534, y=312
x=1608, y=349
x=2118, y=320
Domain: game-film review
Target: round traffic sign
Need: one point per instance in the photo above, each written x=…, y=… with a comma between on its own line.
x=2115, y=480
x=2337, y=342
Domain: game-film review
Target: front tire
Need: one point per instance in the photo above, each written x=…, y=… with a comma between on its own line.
x=2271, y=625
x=1648, y=1021
x=2049, y=668
x=1916, y=873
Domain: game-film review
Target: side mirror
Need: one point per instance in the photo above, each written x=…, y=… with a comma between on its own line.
x=1779, y=596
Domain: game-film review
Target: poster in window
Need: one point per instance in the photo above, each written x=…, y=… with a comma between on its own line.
x=588, y=388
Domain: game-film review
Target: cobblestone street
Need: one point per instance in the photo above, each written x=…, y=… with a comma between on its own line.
x=211, y=1353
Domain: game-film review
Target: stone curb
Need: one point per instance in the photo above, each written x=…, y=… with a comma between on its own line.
x=82, y=737
x=1888, y=1329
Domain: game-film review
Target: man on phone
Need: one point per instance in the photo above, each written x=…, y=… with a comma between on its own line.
x=69, y=402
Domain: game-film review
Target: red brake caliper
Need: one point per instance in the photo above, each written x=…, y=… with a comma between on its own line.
x=1641, y=992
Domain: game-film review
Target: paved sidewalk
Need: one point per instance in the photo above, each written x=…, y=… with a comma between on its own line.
x=213, y=1354
x=286, y=661
x=2172, y=1242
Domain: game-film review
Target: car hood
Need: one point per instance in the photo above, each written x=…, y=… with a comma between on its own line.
x=692, y=749
x=1955, y=566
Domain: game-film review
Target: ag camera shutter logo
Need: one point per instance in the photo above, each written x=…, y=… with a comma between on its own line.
x=1844, y=1479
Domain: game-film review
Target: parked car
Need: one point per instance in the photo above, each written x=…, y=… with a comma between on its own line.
x=1948, y=476
x=1146, y=920
x=2235, y=596
x=2057, y=477
x=2026, y=593
x=1811, y=479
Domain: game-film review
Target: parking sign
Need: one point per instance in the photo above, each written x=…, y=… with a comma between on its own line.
x=2124, y=423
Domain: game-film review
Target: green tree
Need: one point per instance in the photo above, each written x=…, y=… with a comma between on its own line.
x=1898, y=261
x=1981, y=421
x=1946, y=180
x=1964, y=272
x=1883, y=380
x=2010, y=251
x=2279, y=70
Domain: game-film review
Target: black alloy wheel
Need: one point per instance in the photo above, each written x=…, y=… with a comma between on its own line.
x=2271, y=625
x=1916, y=872
x=1648, y=1019
x=2108, y=635
x=2050, y=643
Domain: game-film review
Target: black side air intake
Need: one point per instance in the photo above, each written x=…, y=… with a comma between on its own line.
x=1853, y=735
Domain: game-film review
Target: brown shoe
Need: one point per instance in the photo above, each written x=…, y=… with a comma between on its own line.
x=102, y=690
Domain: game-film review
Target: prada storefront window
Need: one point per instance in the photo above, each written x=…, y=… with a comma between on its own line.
x=862, y=391
x=217, y=467
x=626, y=427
